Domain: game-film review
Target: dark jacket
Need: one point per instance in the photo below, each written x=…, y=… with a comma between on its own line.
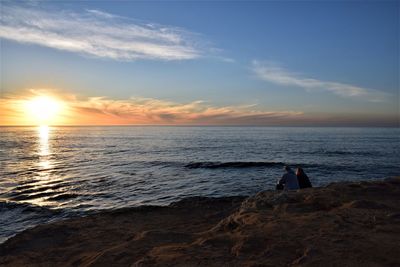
x=304, y=182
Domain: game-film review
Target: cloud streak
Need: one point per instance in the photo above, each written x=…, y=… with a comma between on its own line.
x=136, y=110
x=98, y=34
x=275, y=74
x=149, y=111
x=155, y=111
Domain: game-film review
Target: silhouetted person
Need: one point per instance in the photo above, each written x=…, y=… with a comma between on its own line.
x=288, y=180
x=302, y=178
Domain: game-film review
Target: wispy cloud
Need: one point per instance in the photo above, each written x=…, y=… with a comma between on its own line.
x=278, y=75
x=136, y=110
x=97, y=33
x=155, y=111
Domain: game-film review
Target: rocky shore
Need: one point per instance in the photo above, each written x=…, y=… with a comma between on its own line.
x=343, y=224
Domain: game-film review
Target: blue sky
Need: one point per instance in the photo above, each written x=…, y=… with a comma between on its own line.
x=324, y=61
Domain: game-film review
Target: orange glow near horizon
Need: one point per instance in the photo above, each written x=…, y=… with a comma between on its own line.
x=56, y=108
x=43, y=110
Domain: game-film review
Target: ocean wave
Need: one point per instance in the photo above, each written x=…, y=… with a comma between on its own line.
x=233, y=164
x=16, y=217
x=24, y=207
x=324, y=152
x=63, y=196
x=116, y=151
x=34, y=188
x=21, y=197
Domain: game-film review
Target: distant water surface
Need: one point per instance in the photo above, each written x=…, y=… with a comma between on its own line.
x=49, y=173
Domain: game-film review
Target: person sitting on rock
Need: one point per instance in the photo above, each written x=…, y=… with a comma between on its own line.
x=289, y=180
x=302, y=178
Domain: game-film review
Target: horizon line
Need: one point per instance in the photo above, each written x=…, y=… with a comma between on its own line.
x=208, y=125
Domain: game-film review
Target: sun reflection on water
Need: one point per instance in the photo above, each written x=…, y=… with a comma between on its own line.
x=44, y=163
x=44, y=148
x=44, y=140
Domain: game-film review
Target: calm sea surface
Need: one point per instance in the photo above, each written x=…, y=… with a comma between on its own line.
x=51, y=173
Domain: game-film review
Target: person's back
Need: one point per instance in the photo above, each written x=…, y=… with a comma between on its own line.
x=302, y=178
x=289, y=180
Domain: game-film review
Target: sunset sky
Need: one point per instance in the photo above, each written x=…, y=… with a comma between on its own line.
x=312, y=63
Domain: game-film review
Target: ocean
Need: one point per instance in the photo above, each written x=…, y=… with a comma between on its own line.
x=51, y=173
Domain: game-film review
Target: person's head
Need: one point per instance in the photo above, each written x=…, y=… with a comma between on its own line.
x=299, y=171
x=287, y=168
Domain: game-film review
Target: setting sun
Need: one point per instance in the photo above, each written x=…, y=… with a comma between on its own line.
x=43, y=110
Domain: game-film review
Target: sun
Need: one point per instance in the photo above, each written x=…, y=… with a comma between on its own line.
x=43, y=110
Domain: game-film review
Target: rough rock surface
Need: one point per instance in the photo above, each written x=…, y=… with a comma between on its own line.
x=343, y=224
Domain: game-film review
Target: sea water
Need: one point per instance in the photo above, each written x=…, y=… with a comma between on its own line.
x=50, y=173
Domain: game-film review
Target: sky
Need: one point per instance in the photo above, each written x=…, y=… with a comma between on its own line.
x=280, y=63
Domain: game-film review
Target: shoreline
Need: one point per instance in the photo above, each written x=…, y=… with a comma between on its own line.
x=344, y=223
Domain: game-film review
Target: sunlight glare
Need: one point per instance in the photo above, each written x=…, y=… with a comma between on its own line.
x=43, y=110
x=44, y=140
